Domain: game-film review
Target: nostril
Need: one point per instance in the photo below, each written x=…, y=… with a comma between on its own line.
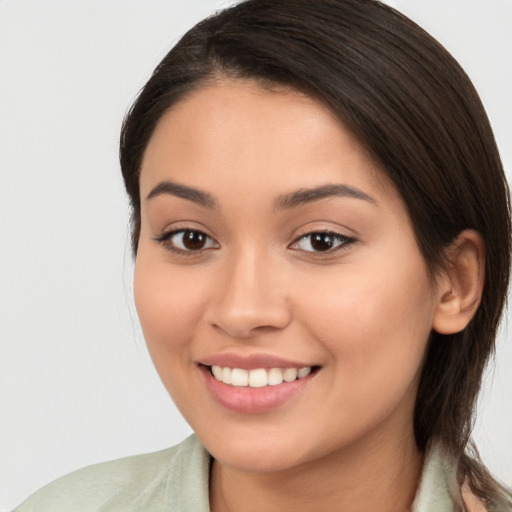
x=246, y=318
x=245, y=331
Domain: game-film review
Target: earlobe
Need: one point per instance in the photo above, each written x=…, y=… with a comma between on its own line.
x=460, y=285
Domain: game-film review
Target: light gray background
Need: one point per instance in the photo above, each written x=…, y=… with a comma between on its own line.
x=76, y=384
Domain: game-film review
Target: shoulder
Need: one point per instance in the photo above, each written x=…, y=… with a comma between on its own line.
x=141, y=482
x=439, y=489
x=439, y=485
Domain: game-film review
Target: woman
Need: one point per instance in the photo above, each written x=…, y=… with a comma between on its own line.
x=322, y=238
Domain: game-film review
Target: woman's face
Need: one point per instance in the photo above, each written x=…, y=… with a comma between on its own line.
x=271, y=245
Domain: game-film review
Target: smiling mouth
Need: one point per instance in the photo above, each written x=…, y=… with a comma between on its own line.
x=259, y=377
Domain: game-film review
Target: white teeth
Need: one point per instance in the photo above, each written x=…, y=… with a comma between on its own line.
x=304, y=372
x=226, y=375
x=258, y=377
x=290, y=374
x=239, y=377
x=217, y=372
x=275, y=377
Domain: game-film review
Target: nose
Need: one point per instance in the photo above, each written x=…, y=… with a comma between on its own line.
x=250, y=297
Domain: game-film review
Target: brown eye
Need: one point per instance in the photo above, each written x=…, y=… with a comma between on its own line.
x=322, y=241
x=194, y=240
x=187, y=240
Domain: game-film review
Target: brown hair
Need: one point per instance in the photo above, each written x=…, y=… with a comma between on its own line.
x=415, y=110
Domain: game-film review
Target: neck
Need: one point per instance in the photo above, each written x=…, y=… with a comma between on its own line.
x=380, y=476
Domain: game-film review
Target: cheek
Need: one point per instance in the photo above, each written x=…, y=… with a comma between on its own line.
x=169, y=308
x=375, y=323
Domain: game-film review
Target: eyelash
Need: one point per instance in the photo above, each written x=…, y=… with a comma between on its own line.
x=341, y=242
x=166, y=240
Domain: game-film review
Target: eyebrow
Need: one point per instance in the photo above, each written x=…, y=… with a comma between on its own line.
x=283, y=202
x=195, y=195
x=304, y=196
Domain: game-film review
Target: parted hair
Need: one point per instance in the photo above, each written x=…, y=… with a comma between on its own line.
x=414, y=109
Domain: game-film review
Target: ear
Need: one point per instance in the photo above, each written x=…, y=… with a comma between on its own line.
x=460, y=284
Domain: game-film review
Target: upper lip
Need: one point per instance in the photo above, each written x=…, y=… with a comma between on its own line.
x=250, y=361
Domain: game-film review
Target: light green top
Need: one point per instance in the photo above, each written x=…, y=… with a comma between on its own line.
x=176, y=480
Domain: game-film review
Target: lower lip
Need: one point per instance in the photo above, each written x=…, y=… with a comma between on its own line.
x=249, y=400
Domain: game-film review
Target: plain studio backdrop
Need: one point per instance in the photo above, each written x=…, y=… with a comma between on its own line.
x=76, y=383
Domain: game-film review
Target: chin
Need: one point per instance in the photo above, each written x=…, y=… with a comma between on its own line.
x=256, y=459
x=264, y=450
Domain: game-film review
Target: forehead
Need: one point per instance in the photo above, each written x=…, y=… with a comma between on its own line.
x=239, y=127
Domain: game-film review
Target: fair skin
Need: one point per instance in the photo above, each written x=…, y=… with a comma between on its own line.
x=237, y=267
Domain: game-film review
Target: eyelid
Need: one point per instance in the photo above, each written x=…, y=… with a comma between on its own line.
x=341, y=240
x=345, y=242
x=171, y=228
x=164, y=239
